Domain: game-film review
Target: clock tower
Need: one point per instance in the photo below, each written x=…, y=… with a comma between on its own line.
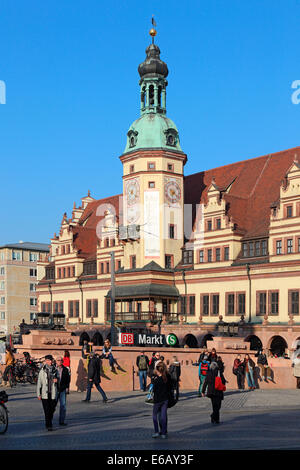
x=153, y=164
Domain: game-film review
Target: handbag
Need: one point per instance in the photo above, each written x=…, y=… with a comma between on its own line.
x=219, y=384
x=150, y=396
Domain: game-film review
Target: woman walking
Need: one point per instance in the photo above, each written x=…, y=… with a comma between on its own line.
x=161, y=394
x=214, y=394
x=249, y=366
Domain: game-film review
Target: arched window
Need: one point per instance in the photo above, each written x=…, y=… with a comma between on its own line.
x=191, y=341
x=203, y=342
x=255, y=343
x=97, y=339
x=151, y=95
x=278, y=346
x=83, y=337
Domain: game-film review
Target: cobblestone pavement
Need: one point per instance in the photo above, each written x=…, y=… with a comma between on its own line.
x=258, y=419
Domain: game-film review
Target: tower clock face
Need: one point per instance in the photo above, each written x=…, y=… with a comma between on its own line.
x=172, y=192
x=132, y=192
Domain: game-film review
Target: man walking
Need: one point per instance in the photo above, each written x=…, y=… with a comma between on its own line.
x=63, y=384
x=142, y=362
x=47, y=389
x=94, y=378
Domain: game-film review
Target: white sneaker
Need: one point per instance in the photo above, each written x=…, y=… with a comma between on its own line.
x=163, y=436
x=156, y=434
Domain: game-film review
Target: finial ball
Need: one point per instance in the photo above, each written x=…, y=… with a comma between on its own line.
x=152, y=32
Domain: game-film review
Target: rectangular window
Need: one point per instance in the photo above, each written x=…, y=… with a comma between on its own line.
x=298, y=245
x=133, y=262
x=218, y=254
x=187, y=257
x=168, y=261
x=289, y=245
x=33, y=257
x=2, y=315
x=2, y=269
x=294, y=296
x=107, y=267
x=151, y=166
x=226, y=253
x=201, y=256
x=172, y=231
x=151, y=184
x=230, y=304
x=264, y=247
x=215, y=304
x=16, y=255
x=218, y=224
x=245, y=250
x=131, y=168
x=289, y=211
x=251, y=249
x=32, y=288
x=183, y=305
x=33, y=301
x=257, y=248
x=2, y=300
x=71, y=310
x=95, y=307
x=130, y=306
x=77, y=308
x=88, y=308
x=209, y=255
x=274, y=303
x=241, y=304
x=119, y=265
x=262, y=307
x=278, y=247
x=2, y=285
x=191, y=305
x=170, y=167
x=209, y=225
x=102, y=268
x=205, y=305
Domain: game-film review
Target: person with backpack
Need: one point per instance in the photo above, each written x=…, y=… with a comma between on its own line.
x=202, y=372
x=175, y=372
x=238, y=371
x=142, y=362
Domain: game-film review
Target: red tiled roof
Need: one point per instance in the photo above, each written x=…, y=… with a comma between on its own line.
x=85, y=233
x=255, y=187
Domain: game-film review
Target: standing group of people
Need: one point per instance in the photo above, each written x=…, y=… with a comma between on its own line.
x=247, y=369
x=53, y=387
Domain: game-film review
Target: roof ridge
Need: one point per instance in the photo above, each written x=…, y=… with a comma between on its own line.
x=243, y=161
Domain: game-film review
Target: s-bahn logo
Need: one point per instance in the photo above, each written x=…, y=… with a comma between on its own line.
x=126, y=338
x=171, y=339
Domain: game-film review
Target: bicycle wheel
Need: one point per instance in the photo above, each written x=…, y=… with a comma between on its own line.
x=3, y=419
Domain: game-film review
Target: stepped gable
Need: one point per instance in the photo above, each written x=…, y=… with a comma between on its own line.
x=84, y=233
x=255, y=186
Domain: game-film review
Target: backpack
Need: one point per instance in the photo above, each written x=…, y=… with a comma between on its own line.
x=142, y=363
x=204, y=368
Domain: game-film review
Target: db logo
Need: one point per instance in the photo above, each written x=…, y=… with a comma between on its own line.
x=126, y=338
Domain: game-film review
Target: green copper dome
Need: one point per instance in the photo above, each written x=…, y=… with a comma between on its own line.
x=152, y=130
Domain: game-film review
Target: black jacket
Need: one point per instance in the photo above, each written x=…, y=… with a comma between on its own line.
x=161, y=389
x=175, y=371
x=262, y=359
x=209, y=383
x=94, y=369
x=64, y=381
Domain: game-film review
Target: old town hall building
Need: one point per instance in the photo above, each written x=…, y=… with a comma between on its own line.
x=194, y=254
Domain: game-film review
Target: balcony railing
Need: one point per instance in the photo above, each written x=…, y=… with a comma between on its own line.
x=142, y=317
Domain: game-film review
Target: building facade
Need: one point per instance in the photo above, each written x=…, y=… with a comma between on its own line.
x=196, y=254
x=18, y=279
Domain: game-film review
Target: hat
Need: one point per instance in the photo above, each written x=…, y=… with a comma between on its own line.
x=49, y=357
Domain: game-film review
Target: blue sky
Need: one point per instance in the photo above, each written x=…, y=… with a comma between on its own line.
x=70, y=69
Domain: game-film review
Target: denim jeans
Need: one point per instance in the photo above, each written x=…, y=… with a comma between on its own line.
x=161, y=410
x=143, y=379
x=110, y=358
x=201, y=382
x=98, y=387
x=62, y=398
x=250, y=378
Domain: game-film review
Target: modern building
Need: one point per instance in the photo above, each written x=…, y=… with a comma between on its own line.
x=216, y=251
x=18, y=279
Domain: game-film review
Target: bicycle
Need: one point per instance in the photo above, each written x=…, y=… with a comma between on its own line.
x=3, y=412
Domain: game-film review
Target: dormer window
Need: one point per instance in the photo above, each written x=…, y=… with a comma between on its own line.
x=171, y=137
x=132, y=137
